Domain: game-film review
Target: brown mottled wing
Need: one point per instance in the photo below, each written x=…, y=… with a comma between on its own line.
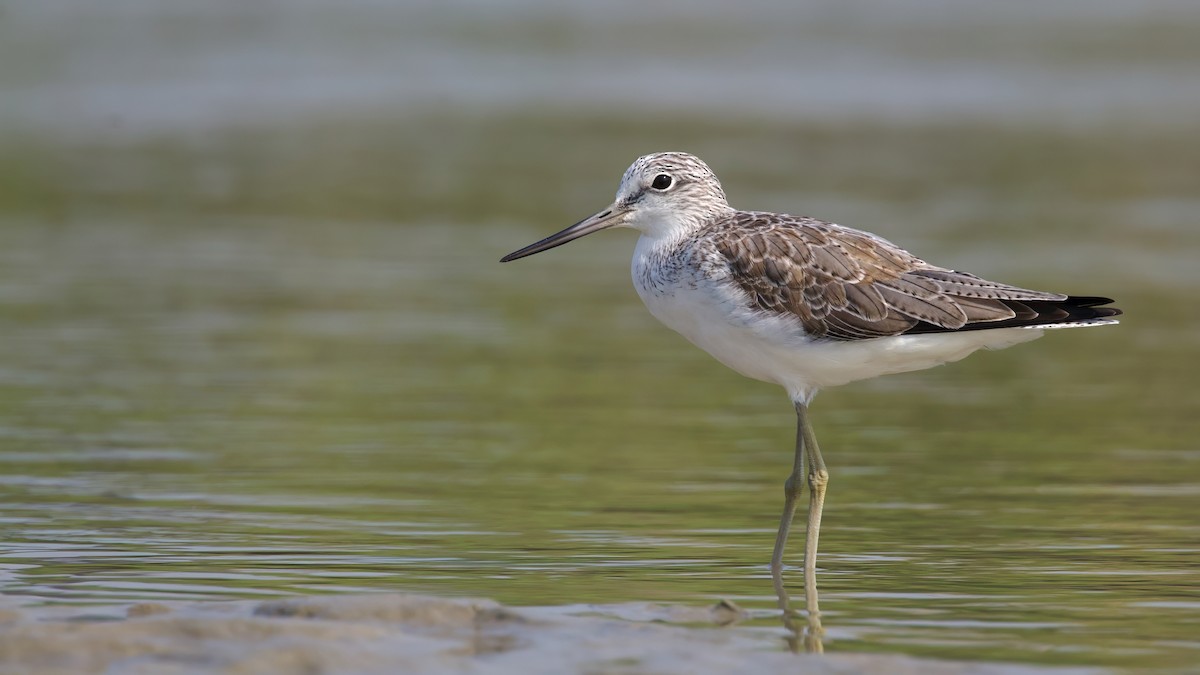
x=850, y=285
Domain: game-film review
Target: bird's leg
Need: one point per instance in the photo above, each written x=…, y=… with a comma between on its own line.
x=791, y=490
x=818, y=478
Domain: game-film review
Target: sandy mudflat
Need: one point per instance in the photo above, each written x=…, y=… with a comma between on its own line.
x=394, y=633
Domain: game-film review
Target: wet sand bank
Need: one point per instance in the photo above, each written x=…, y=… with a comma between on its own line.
x=391, y=633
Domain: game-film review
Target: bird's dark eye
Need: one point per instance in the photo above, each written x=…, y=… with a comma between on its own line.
x=662, y=181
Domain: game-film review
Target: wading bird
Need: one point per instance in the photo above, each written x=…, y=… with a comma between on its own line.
x=805, y=304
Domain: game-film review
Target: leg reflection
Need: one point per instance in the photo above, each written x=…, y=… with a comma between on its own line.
x=805, y=631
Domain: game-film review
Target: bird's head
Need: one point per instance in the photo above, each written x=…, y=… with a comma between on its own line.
x=660, y=194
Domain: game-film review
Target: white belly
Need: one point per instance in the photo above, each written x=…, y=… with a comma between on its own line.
x=716, y=317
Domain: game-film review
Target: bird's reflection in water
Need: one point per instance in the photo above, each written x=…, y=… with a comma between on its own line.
x=805, y=631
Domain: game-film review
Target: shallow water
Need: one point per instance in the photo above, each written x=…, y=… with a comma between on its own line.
x=274, y=354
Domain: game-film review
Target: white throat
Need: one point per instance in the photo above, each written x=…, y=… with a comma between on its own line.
x=661, y=224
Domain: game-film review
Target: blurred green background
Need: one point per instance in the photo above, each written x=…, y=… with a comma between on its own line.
x=255, y=339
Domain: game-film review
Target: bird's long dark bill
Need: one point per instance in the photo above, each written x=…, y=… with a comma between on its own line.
x=603, y=220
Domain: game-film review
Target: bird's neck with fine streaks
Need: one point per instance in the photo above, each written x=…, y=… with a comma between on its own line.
x=658, y=260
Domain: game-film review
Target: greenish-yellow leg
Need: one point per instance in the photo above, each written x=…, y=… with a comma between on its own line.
x=818, y=479
x=791, y=490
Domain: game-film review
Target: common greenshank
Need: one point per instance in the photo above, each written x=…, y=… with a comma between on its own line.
x=805, y=304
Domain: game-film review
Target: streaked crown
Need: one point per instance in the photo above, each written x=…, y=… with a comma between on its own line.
x=674, y=182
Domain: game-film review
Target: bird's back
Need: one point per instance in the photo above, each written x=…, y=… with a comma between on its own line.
x=846, y=284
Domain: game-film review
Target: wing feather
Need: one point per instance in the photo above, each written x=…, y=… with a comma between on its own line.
x=845, y=284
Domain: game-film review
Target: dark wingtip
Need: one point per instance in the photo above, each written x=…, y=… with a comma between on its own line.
x=1074, y=309
x=1094, y=303
x=1089, y=300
